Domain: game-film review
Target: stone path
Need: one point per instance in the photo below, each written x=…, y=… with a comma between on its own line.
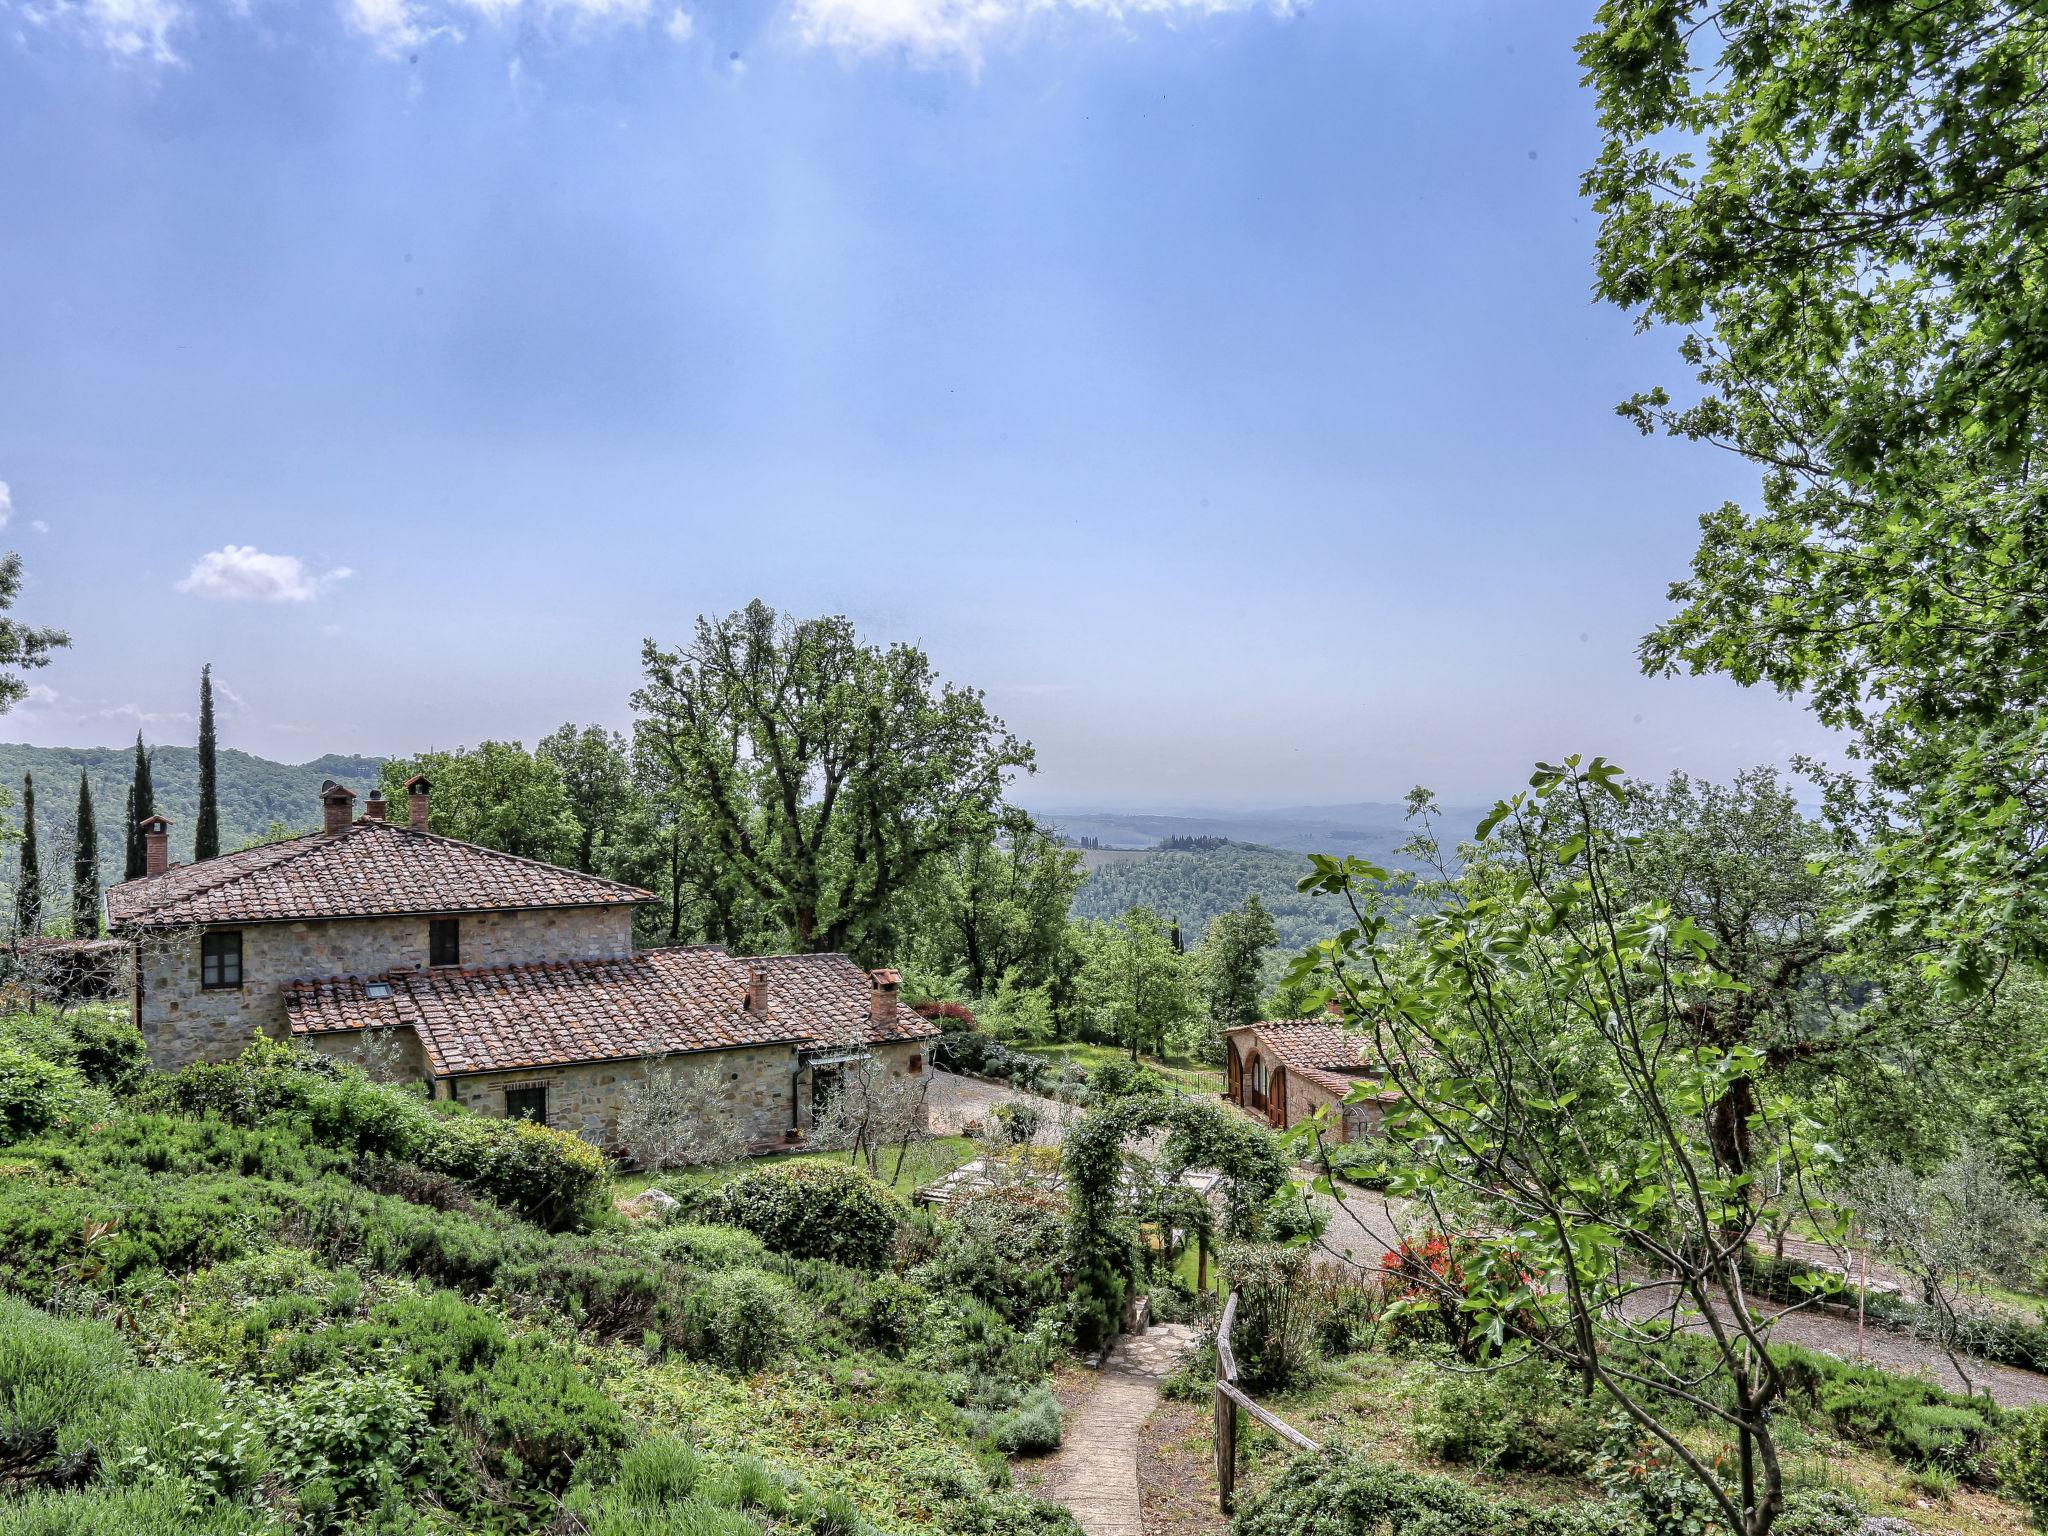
x=1095, y=1471
x=952, y=1101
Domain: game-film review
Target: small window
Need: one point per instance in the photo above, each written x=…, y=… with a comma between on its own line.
x=220, y=960
x=377, y=990
x=527, y=1104
x=444, y=941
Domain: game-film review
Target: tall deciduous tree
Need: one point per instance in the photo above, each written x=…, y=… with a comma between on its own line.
x=498, y=794
x=85, y=867
x=141, y=806
x=1134, y=986
x=1233, y=957
x=828, y=772
x=996, y=906
x=598, y=778
x=206, y=831
x=28, y=890
x=1841, y=206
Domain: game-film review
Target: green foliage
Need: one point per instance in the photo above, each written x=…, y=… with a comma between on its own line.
x=1839, y=207
x=815, y=1211
x=705, y=1245
x=36, y=1093
x=1521, y=1418
x=1338, y=1492
x=855, y=767
x=1200, y=886
x=1135, y=988
x=1232, y=960
x=254, y=793
x=1274, y=1336
x=993, y=908
x=498, y=794
x=2022, y=1462
x=1908, y=1419
x=1004, y=1246
x=1031, y=1428
x=740, y=1318
x=549, y=1176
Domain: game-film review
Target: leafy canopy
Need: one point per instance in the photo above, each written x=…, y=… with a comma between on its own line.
x=1842, y=207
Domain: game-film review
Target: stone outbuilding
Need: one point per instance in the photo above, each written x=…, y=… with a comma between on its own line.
x=505, y=983
x=1284, y=1070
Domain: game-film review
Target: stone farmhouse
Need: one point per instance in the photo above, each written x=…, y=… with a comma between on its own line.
x=505, y=983
x=1284, y=1070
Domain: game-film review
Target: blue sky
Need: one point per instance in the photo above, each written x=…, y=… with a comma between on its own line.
x=1216, y=383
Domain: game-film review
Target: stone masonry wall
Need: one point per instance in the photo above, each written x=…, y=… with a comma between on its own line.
x=182, y=1023
x=587, y=1098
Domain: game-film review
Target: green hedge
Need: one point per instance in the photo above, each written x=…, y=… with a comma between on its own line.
x=815, y=1211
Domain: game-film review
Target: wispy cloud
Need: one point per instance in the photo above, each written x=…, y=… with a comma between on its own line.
x=244, y=573
x=963, y=31
x=128, y=29
x=393, y=27
x=6, y=503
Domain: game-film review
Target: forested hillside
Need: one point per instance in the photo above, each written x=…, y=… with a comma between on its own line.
x=1192, y=885
x=255, y=794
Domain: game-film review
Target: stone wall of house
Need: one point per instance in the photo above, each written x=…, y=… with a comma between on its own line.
x=586, y=1098
x=182, y=1023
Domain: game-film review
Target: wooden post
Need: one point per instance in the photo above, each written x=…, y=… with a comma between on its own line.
x=1202, y=1262
x=1226, y=1451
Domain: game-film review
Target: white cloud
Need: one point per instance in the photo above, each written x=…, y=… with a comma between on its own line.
x=682, y=26
x=603, y=10
x=128, y=29
x=39, y=525
x=394, y=27
x=41, y=693
x=136, y=29
x=244, y=573
x=6, y=503
x=938, y=31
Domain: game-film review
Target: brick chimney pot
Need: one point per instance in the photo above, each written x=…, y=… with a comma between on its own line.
x=882, y=1000
x=757, y=991
x=417, y=789
x=337, y=806
x=373, y=808
x=156, y=844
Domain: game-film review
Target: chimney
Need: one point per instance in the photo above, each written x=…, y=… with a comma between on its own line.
x=337, y=805
x=373, y=808
x=882, y=1000
x=416, y=791
x=757, y=990
x=156, y=844
x=1334, y=1008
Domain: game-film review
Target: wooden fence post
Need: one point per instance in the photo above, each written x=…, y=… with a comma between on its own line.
x=1226, y=1451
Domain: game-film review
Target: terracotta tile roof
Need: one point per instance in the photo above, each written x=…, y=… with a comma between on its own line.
x=368, y=868
x=693, y=998
x=1314, y=1049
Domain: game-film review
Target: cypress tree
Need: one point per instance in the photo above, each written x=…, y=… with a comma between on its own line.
x=28, y=893
x=141, y=806
x=85, y=868
x=206, y=837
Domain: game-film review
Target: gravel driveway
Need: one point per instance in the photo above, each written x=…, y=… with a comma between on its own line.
x=953, y=1101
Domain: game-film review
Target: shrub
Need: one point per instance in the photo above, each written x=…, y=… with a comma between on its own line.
x=358, y=1432
x=887, y=1313
x=1272, y=1340
x=63, y=1391
x=1005, y=1246
x=1911, y=1421
x=815, y=1211
x=1018, y=1120
x=705, y=1246
x=1522, y=1418
x=1337, y=1490
x=1032, y=1428
x=740, y=1318
x=35, y=1093
x=2022, y=1461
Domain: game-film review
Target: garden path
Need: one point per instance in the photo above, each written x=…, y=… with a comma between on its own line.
x=1095, y=1472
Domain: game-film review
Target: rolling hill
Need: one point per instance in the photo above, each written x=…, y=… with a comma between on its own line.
x=1191, y=886
x=255, y=795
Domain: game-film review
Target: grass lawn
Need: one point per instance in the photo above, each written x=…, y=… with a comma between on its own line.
x=926, y=1161
x=1188, y=1076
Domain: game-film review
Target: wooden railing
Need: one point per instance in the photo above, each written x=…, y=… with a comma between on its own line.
x=1229, y=1399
